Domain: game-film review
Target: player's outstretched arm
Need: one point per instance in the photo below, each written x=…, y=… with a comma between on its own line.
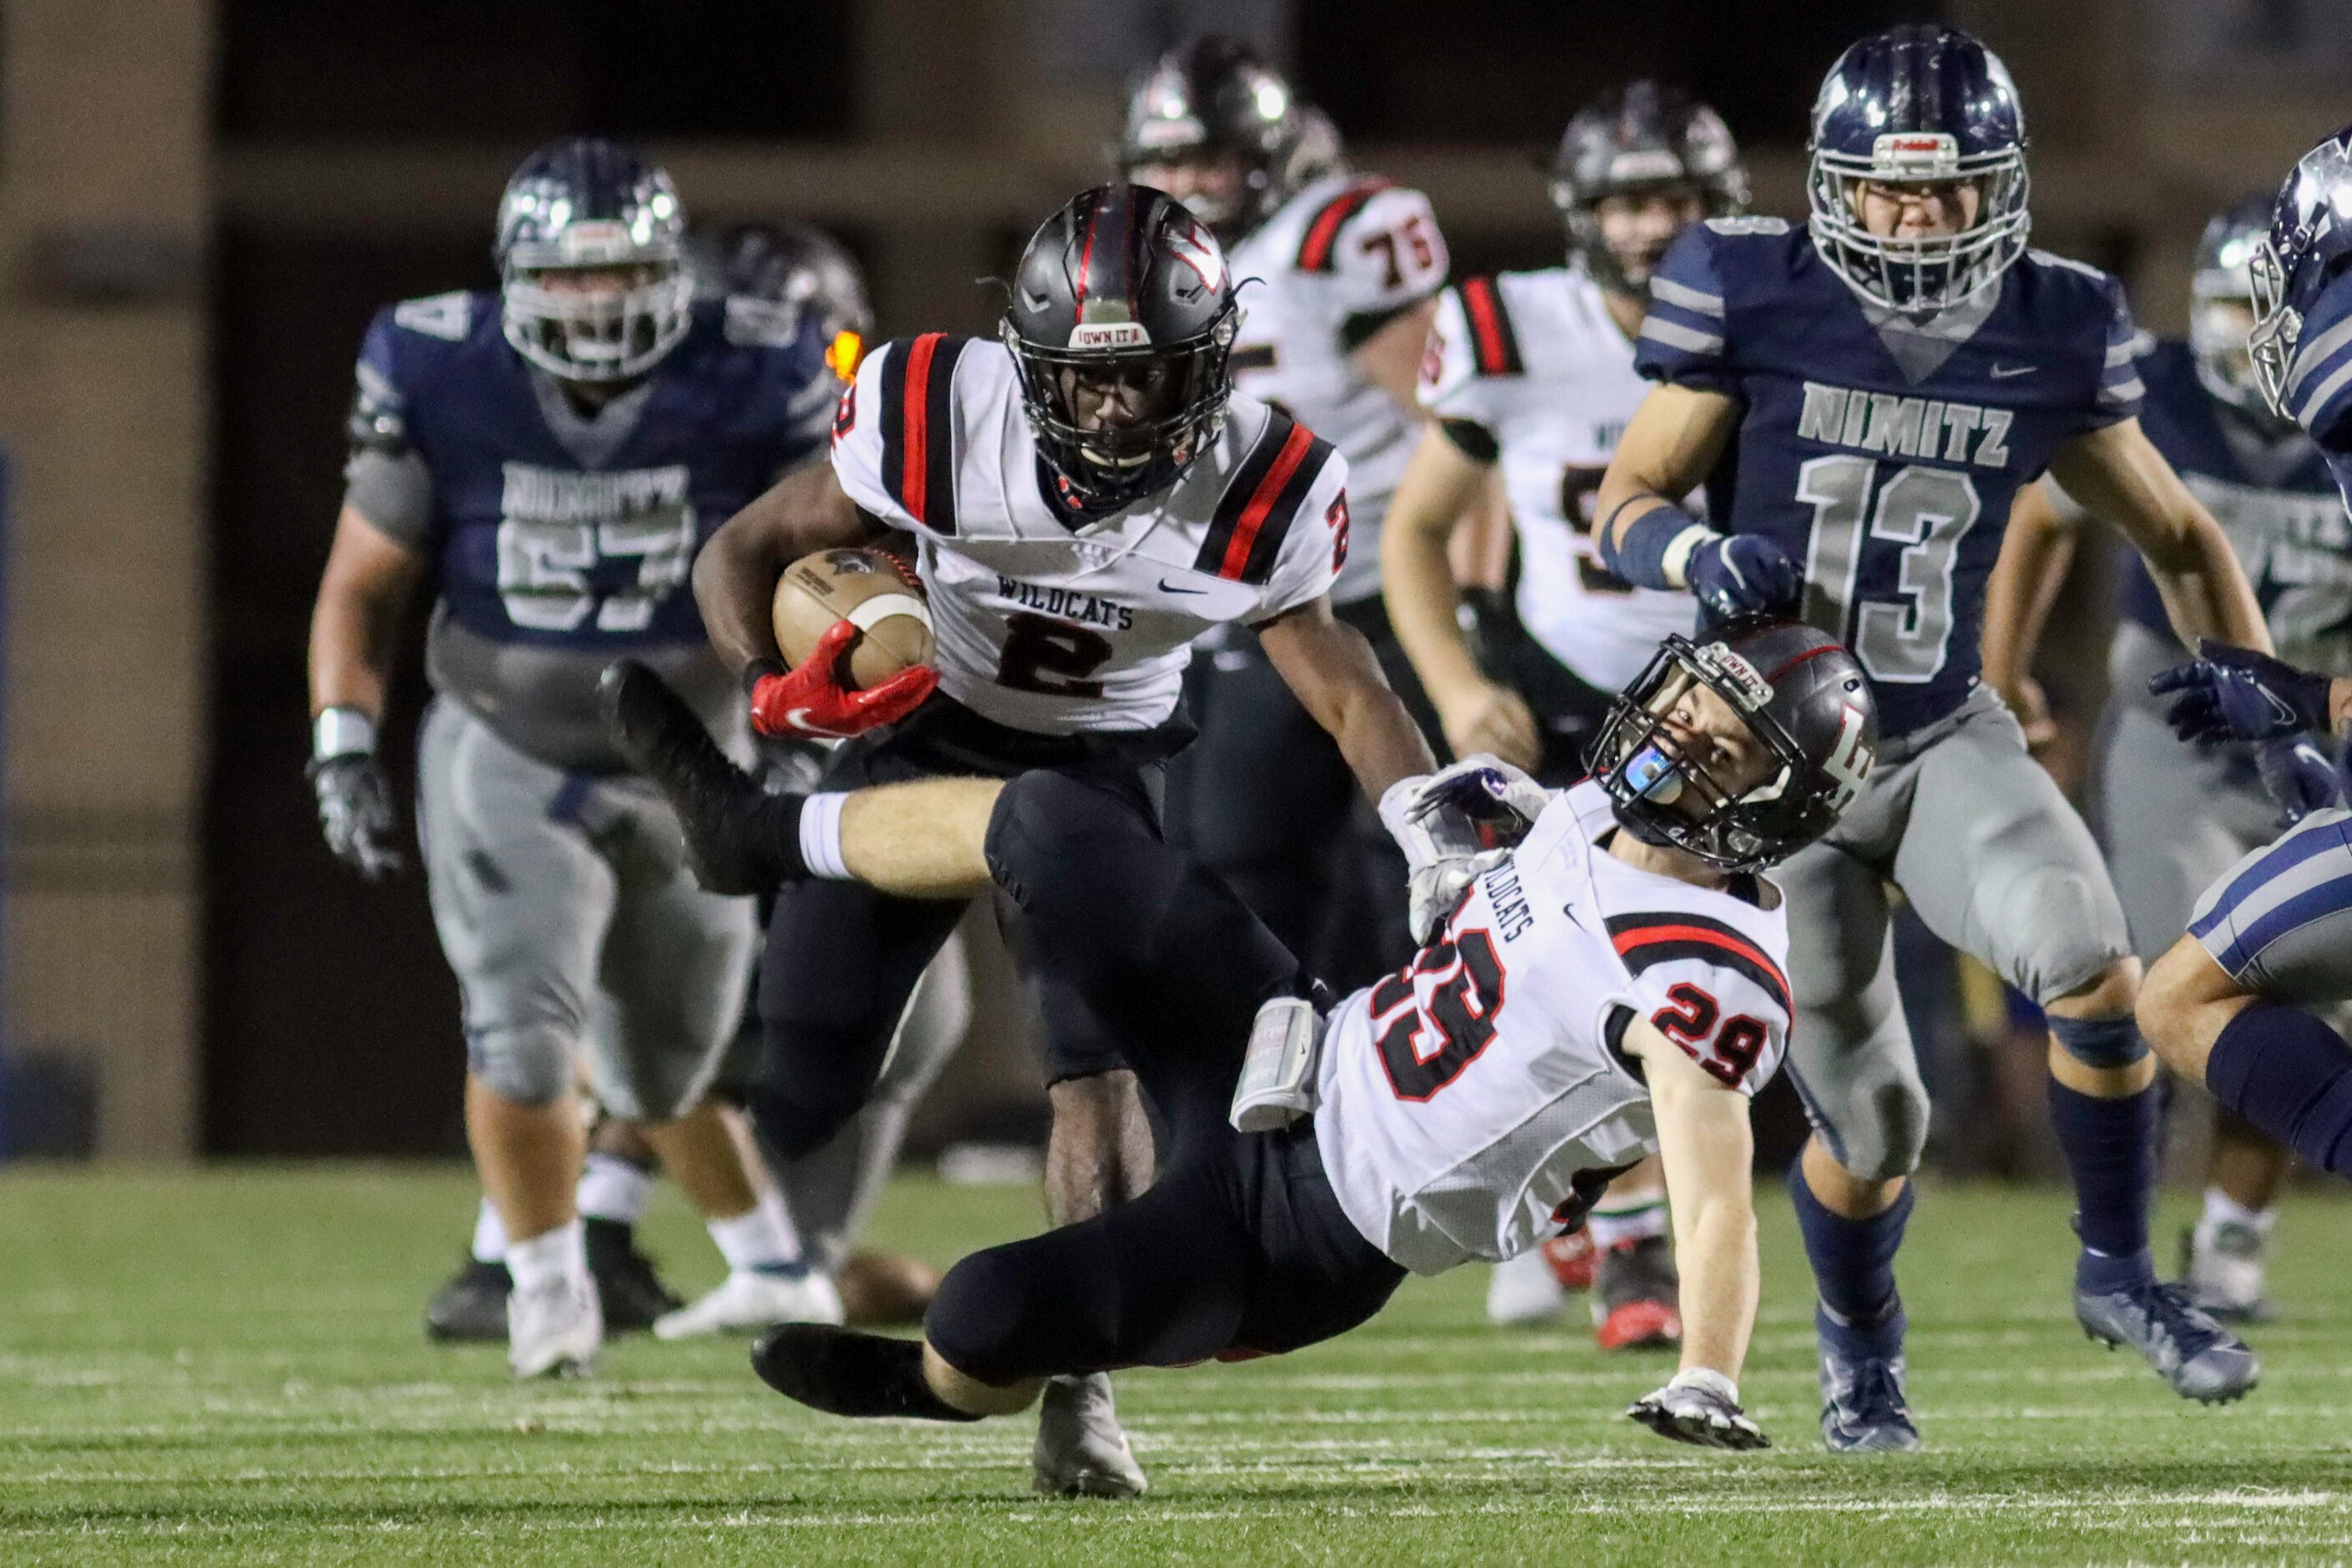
x=1646, y=538
x=1708, y=1150
x=1441, y=484
x=2035, y=553
x=2119, y=476
x=1330, y=666
x=735, y=575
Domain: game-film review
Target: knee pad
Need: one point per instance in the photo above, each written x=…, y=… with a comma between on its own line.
x=793, y=1126
x=1878, y=1136
x=2102, y=1043
x=529, y=1064
x=974, y=1321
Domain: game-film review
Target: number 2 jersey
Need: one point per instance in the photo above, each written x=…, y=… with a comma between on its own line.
x=1477, y=1102
x=1057, y=621
x=562, y=539
x=1531, y=369
x=1329, y=269
x=1883, y=453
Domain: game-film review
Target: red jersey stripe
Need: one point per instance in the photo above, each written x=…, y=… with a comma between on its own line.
x=1626, y=942
x=914, y=476
x=1260, y=502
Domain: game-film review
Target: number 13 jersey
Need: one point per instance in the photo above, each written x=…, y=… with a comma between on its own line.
x=1477, y=1104
x=1056, y=621
x=1882, y=452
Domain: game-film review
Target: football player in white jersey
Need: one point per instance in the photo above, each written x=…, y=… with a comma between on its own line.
x=1611, y=987
x=1086, y=497
x=1339, y=273
x=1533, y=372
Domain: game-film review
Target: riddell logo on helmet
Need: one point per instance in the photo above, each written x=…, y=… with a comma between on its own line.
x=1917, y=151
x=1109, y=335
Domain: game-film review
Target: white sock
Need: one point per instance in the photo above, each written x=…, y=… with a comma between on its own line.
x=490, y=1235
x=1634, y=1222
x=558, y=1254
x=2221, y=1209
x=821, y=835
x=759, y=1237
x=612, y=1188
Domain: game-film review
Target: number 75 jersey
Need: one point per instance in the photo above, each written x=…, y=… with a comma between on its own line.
x=1476, y=1102
x=1883, y=453
x=1057, y=621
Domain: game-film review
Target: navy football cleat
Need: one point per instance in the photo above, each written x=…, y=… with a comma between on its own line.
x=1863, y=1405
x=2197, y=1356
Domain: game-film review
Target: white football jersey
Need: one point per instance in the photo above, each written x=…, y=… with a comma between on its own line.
x=1477, y=1104
x=1059, y=626
x=1535, y=360
x=1332, y=264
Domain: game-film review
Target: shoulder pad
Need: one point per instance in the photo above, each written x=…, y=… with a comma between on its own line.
x=1262, y=499
x=1748, y=224
x=918, y=426
x=1320, y=242
x=1662, y=936
x=448, y=317
x=1494, y=345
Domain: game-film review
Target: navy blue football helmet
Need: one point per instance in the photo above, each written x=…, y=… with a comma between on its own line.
x=775, y=276
x=1919, y=104
x=2221, y=302
x=581, y=206
x=1123, y=297
x=2309, y=244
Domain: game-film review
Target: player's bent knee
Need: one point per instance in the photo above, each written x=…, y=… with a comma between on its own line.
x=981, y=1322
x=2179, y=987
x=2112, y=993
x=970, y=1395
x=531, y=1065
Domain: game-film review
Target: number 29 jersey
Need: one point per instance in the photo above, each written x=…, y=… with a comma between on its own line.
x=1883, y=453
x=1055, y=621
x=1477, y=1102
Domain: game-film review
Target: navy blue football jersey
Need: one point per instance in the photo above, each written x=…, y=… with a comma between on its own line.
x=2319, y=379
x=1881, y=454
x=543, y=541
x=2274, y=497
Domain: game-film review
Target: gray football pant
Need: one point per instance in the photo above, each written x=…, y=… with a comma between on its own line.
x=830, y=1191
x=2174, y=819
x=579, y=938
x=1995, y=862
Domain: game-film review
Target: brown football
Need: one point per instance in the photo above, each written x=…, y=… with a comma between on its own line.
x=867, y=588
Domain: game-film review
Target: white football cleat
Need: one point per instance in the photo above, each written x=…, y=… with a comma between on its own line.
x=554, y=1327
x=1080, y=1451
x=747, y=1300
x=1523, y=1291
x=2221, y=1268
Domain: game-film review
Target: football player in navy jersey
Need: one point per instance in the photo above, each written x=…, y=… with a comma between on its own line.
x=2268, y=486
x=2234, y=1004
x=553, y=454
x=1863, y=399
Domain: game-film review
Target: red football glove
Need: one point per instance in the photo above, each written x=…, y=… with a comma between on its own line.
x=811, y=700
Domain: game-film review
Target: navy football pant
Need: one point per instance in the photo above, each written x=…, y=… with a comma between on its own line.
x=1240, y=1247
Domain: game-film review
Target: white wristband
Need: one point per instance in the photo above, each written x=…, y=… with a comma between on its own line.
x=1709, y=1380
x=1675, y=562
x=341, y=733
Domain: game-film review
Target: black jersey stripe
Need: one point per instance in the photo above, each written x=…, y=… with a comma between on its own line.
x=918, y=418
x=1264, y=499
x=1493, y=346
x=1663, y=936
x=1239, y=489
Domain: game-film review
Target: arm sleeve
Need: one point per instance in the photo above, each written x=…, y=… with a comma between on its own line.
x=1389, y=256
x=2121, y=390
x=857, y=443
x=386, y=479
x=1683, y=338
x=1315, y=548
x=1731, y=1017
x=2319, y=381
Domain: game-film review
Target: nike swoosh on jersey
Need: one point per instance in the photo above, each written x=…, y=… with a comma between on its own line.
x=1168, y=587
x=2006, y=371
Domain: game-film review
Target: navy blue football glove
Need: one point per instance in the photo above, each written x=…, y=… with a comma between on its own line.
x=2229, y=693
x=1745, y=574
x=2299, y=777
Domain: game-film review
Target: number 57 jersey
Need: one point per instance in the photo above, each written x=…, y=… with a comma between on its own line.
x=1881, y=452
x=1050, y=619
x=1478, y=1101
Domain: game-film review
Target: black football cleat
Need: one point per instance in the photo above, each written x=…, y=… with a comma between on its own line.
x=732, y=828
x=846, y=1372
x=628, y=1286
x=472, y=1308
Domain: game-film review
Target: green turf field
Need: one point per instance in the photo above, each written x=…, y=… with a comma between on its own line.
x=226, y=1367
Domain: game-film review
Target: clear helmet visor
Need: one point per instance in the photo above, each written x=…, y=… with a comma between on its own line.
x=597, y=323
x=1920, y=273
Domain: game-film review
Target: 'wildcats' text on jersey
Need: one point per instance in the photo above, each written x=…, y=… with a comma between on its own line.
x=1332, y=267
x=2273, y=494
x=1534, y=361
x=563, y=535
x=1057, y=622
x=1477, y=1103
x=1883, y=453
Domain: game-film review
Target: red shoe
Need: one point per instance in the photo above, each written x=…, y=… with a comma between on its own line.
x=1636, y=1296
x=1573, y=1258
